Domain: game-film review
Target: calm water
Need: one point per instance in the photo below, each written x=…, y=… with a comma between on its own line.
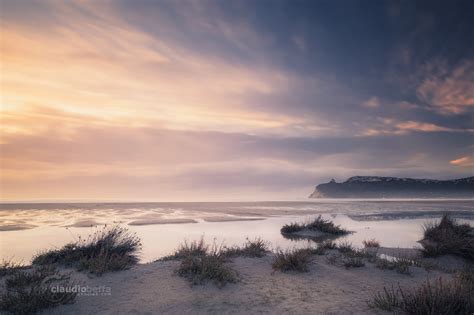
x=29, y=228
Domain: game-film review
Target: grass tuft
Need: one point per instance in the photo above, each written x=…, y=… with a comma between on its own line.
x=328, y=245
x=437, y=297
x=210, y=266
x=318, y=224
x=345, y=247
x=387, y=300
x=8, y=267
x=353, y=262
x=108, y=249
x=292, y=260
x=292, y=228
x=400, y=265
x=255, y=248
x=448, y=237
x=372, y=243
x=30, y=291
x=195, y=248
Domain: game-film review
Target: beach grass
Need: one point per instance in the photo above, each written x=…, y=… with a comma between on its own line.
x=186, y=249
x=353, y=262
x=372, y=243
x=319, y=224
x=431, y=297
x=29, y=291
x=201, y=263
x=345, y=247
x=200, y=268
x=8, y=267
x=251, y=248
x=448, y=237
x=109, y=249
x=292, y=260
x=399, y=264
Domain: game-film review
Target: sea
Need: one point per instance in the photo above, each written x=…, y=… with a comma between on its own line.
x=30, y=228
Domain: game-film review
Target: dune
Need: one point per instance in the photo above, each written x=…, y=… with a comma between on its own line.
x=326, y=288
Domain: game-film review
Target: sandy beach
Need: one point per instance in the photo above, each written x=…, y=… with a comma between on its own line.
x=326, y=289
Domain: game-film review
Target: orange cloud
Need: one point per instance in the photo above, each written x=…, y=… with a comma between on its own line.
x=418, y=126
x=387, y=126
x=463, y=161
x=80, y=67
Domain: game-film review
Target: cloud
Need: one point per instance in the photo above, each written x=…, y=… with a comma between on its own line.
x=465, y=161
x=449, y=91
x=77, y=64
x=418, y=126
x=372, y=102
x=391, y=126
x=168, y=99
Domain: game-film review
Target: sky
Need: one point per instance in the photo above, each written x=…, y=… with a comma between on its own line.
x=230, y=100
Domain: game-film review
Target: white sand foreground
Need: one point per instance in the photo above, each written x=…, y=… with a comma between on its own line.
x=325, y=289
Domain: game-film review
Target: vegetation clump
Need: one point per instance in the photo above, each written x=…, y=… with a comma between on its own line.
x=292, y=260
x=448, y=237
x=345, y=247
x=372, y=243
x=399, y=264
x=195, y=248
x=292, y=228
x=210, y=265
x=319, y=224
x=30, y=291
x=328, y=245
x=255, y=248
x=432, y=297
x=353, y=262
x=251, y=248
x=8, y=267
x=109, y=249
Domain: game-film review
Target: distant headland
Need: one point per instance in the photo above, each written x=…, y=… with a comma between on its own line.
x=394, y=187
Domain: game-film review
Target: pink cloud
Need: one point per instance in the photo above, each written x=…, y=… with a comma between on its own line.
x=449, y=92
x=463, y=161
